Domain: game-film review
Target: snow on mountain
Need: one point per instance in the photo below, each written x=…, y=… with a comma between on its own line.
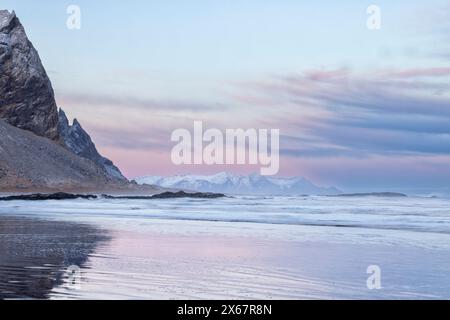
x=234, y=184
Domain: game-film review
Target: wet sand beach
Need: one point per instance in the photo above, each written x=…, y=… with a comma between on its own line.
x=35, y=254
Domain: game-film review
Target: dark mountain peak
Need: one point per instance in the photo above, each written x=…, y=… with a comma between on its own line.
x=26, y=94
x=77, y=124
x=42, y=148
x=63, y=121
x=7, y=19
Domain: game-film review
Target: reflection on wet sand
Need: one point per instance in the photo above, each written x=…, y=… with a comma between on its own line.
x=34, y=254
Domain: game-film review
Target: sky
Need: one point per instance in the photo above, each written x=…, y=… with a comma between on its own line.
x=359, y=109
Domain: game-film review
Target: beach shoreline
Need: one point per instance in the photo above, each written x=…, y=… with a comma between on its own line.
x=231, y=248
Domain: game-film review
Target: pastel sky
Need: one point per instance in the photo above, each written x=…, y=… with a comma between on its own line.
x=358, y=109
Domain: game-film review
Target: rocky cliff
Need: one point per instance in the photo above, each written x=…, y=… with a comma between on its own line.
x=26, y=94
x=38, y=147
x=39, y=150
x=79, y=142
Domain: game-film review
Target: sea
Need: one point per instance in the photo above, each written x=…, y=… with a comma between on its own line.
x=241, y=247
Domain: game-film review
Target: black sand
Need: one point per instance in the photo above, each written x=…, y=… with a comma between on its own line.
x=35, y=254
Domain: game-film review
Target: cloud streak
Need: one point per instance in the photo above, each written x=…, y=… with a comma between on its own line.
x=384, y=112
x=133, y=103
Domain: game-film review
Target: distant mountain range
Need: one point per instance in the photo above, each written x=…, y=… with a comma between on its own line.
x=245, y=185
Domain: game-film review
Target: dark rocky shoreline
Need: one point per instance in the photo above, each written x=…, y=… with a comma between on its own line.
x=52, y=196
x=70, y=196
x=173, y=195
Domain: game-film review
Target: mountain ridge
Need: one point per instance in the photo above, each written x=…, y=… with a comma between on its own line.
x=39, y=150
x=235, y=184
x=77, y=140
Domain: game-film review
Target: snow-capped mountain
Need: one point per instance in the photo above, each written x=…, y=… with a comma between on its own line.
x=245, y=185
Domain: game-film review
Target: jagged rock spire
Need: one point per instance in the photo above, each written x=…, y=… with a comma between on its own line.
x=77, y=140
